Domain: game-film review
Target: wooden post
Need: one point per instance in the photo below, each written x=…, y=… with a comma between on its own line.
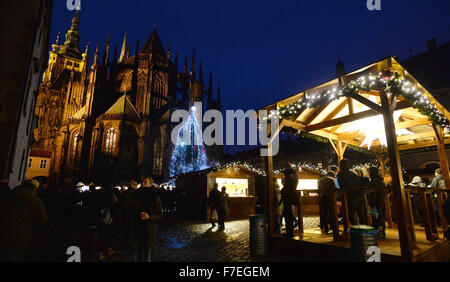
x=442, y=154
x=440, y=142
x=269, y=173
x=339, y=148
x=346, y=219
x=387, y=205
x=382, y=162
x=401, y=214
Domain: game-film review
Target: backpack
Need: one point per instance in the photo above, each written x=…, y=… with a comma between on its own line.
x=105, y=216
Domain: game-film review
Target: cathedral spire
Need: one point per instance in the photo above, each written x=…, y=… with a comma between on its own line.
x=96, y=57
x=200, y=73
x=123, y=51
x=193, y=65
x=168, y=51
x=71, y=46
x=185, y=65
x=55, y=46
x=106, y=55
x=218, y=97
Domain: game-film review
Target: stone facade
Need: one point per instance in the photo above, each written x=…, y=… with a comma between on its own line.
x=111, y=121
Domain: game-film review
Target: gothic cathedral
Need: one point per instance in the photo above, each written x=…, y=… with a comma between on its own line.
x=111, y=121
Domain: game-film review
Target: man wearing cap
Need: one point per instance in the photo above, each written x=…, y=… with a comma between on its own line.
x=21, y=213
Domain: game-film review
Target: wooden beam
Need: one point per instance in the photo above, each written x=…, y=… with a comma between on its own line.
x=350, y=118
x=315, y=113
x=363, y=100
x=277, y=131
x=412, y=123
x=402, y=216
x=269, y=195
x=294, y=124
x=370, y=92
x=421, y=144
x=351, y=109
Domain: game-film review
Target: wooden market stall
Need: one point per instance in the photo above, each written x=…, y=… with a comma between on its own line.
x=239, y=179
x=381, y=108
x=308, y=179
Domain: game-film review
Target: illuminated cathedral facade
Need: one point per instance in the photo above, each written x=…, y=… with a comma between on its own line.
x=109, y=121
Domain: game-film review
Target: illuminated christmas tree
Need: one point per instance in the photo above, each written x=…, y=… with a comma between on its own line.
x=189, y=152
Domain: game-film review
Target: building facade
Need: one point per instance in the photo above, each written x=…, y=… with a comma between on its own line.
x=23, y=56
x=110, y=121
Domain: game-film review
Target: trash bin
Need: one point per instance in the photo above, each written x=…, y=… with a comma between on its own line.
x=258, y=235
x=361, y=238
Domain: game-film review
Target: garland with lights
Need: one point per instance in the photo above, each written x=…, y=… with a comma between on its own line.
x=226, y=166
x=323, y=171
x=383, y=80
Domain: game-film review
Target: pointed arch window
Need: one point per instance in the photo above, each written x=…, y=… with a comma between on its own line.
x=110, y=140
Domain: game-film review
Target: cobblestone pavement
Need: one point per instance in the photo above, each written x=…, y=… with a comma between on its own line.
x=198, y=242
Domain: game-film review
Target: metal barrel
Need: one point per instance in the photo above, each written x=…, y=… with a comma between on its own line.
x=258, y=235
x=361, y=238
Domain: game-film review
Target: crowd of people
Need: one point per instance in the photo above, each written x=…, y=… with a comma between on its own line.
x=354, y=184
x=109, y=218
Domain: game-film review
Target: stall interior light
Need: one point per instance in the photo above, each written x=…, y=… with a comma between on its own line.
x=303, y=184
x=236, y=187
x=98, y=187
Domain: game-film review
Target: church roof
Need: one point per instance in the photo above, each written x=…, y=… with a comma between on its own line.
x=123, y=106
x=153, y=45
x=80, y=113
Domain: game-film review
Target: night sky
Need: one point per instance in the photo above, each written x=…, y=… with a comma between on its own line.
x=264, y=51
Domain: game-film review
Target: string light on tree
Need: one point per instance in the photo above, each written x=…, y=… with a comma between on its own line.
x=189, y=152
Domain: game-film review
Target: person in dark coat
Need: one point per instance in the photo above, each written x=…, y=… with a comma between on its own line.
x=326, y=188
x=376, y=201
x=222, y=207
x=22, y=213
x=107, y=219
x=213, y=195
x=277, y=206
x=289, y=197
x=350, y=182
x=146, y=212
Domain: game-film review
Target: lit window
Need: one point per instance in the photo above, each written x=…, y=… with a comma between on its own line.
x=110, y=140
x=29, y=162
x=43, y=164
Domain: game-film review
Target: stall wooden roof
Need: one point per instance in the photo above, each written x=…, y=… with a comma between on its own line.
x=344, y=119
